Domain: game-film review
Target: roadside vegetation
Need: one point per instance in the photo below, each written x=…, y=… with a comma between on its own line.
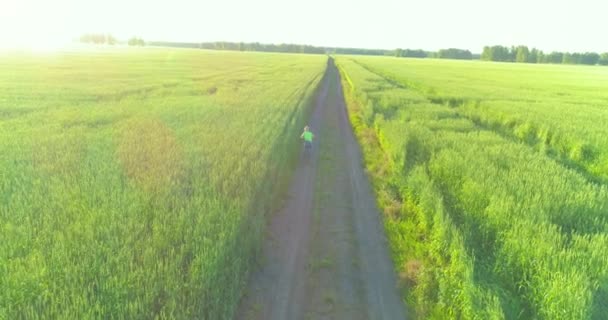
x=493, y=181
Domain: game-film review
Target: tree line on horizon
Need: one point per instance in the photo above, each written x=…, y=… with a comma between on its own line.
x=242, y=46
x=519, y=54
x=522, y=54
x=98, y=38
x=108, y=39
x=265, y=47
x=451, y=53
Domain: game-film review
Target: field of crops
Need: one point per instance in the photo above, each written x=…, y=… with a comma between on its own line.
x=493, y=178
x=134, y=183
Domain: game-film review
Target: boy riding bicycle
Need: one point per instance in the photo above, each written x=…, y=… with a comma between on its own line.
x=307, y=136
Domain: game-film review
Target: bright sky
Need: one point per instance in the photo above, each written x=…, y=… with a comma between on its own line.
x=387, y=24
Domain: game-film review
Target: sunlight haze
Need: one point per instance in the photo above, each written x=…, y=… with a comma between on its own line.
x=383, y=24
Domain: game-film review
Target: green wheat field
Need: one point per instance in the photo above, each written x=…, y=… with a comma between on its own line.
x=134, y=184
x=494, y=181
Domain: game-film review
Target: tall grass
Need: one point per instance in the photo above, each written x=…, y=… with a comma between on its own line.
x=559, y=110
x=482, y=225
x=134, y=184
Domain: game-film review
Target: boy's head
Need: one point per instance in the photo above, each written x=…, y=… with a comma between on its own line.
x=306, y=128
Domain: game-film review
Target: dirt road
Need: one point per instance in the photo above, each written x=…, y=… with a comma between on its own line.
x=325, y=255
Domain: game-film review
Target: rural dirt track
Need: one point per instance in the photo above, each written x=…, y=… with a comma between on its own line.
x=325, y=255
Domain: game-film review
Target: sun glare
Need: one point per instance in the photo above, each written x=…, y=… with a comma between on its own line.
x=33, y=25
x=381, y=24
x=34, y=45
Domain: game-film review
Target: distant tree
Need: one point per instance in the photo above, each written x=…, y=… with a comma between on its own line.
x=502, y=53
x=110, y=39
x=486, y=54
x=92, y=38
x=453, y=53
x=540, y=58
x=589, y=58
x=533, y=55
x=603, y=59
x=98, y=38
x=496, y=53
x=415, y=53
x=134, y=41
x=554, y=57
x=512, y=53
x=409, y=53
x=572, y=58
x=521, y=54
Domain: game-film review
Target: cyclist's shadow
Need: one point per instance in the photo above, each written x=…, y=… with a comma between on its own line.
x=307, y=154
